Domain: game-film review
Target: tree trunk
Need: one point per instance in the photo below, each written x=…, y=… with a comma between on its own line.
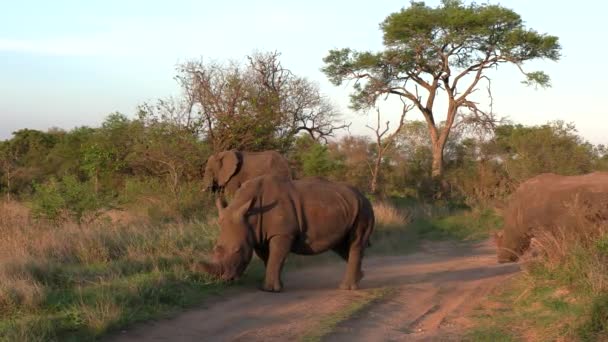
x=437, y=166
x=374, y=182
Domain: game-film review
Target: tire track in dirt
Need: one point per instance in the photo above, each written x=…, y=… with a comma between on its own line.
x=433, y=291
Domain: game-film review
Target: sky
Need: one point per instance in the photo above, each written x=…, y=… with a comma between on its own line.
x=68, y=63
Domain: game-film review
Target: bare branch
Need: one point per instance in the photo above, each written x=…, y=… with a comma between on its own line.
x=382, y=143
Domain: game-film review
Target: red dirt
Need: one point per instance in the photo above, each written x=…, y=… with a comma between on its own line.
x=434, y=291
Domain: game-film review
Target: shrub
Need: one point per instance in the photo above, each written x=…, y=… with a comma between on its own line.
x=152, y=198
x=47, y=201
x=66, y=196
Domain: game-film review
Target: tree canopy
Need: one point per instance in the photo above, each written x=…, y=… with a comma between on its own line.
x=443, y=50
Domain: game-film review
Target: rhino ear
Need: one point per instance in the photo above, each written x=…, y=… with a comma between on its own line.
x=229, y=164
x=241, y=211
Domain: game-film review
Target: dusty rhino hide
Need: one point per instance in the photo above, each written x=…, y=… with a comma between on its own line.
x=549, y=201
x=273, y=216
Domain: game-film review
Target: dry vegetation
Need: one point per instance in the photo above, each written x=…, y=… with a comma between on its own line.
x=70, y=280
x=563, y=287
x=387, y=215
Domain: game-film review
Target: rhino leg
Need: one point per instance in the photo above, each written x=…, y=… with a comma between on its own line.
x=353, y=255
x=279, y=247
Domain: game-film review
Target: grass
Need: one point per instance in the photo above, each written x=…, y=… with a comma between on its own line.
x=562, y=293
x=71, y=282
x=328, y=324
x=427, y=222
x=527, y=309
x=76, y=283
x=462, y=225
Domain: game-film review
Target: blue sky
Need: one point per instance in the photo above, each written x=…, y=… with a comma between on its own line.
x=68, y=63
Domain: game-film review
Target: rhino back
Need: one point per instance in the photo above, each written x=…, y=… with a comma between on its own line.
x=548, y=201
x=327, y=212
x=265, y=163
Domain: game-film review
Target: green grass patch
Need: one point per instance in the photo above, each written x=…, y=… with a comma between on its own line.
x=489, y=334
x=532, y=308
x=457, y=226
x=463, y=225
x=84, y=313
x=70, y=283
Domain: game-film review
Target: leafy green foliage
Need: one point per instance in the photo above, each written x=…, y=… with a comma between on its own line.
x=48, y=202
x=443, y=51
x=554, y=147
x=66, y=196
x=317, y=162
x=419, y=38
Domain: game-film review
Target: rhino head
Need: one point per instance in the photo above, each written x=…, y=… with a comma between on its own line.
x=219, y=169
x=234, y=248
x=503, y=253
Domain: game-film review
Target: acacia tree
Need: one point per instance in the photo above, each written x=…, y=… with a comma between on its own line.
x=443, y=51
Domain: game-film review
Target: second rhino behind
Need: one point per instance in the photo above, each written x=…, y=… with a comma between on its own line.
x=228, y=170
x=547, y=202
x=274, y=216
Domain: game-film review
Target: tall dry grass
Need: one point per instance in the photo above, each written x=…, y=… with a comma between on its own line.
x=578, y=251
x=387, y=215
x=76, y=274
x=562, y=294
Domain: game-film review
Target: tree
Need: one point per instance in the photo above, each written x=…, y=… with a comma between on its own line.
x=527, y=151
x=256, y=106
x=355, y=156
x=384, y=143
x=312, y=158
x=24, y=158
x=104, y=153
x=445, y=50
x=8, y=164
x=168, y=152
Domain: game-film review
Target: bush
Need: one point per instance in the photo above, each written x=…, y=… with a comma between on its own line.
x=68, y=196
x=151, y=197
x=317, y=162
x=47, y=201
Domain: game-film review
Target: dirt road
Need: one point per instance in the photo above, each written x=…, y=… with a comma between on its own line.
x=424, y=296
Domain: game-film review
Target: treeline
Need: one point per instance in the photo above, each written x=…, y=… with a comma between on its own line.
x=127, y=161
x=153, y=161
